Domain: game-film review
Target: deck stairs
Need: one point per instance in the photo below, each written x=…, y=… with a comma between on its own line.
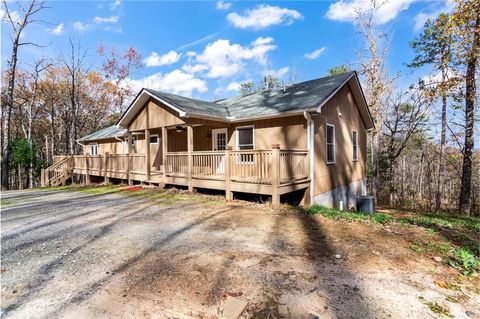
x=58, y=173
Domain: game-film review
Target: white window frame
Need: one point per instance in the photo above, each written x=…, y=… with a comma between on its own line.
x=214, y=137
x=354, y=145
x=153, y=135
x=238, y=135
x=237, y=146
x=90, y=149
x=326, y=144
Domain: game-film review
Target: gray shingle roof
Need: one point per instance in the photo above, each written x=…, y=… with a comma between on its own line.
x=108, y=132
x=296, y=97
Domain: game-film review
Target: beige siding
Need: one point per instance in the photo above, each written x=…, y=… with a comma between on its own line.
x=159, y=115
x=112, y=146
x=344, y=170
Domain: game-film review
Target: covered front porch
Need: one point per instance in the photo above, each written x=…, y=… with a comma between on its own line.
x=273, y=171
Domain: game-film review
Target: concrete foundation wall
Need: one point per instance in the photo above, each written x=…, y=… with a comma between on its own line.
x=346, y=194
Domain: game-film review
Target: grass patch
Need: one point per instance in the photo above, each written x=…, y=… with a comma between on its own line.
x=460, y=251
x=6, y=202
x=347, y=215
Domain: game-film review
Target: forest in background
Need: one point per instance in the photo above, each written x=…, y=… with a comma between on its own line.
x=421, y=153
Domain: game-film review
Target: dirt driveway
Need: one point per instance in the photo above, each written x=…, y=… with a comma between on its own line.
x=75, y=255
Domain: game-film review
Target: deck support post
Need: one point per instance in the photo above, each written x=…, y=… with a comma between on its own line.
x=275, y=174
x=105, y=169
x=164, y=151
x=129, y=159
x=228, y=192
x=87, y=174
x=190, y=155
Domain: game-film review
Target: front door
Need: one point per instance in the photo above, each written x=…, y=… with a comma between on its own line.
x=219, y=143
x=219, y=139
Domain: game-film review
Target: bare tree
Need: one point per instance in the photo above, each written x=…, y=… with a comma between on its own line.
x=404, y=116
x=18, y=26
x=373, y=70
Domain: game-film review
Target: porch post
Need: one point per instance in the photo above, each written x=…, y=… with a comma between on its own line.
x=105, y=169
x=164, y=150
x=275, y=174
x=228, y=192
x=147, y=154
x=87, y=175
x=190, y=155
x=129, y=164
x=147, y=144
x=42, y=178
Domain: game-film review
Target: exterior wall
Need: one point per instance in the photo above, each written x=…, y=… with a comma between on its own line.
x=159, y=115
x=290, y=132
x=112, y=146
x=330, y=178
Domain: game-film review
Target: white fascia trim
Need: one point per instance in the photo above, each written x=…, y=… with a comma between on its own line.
x=311, y=149
x=180, y=112
x=247, y=119
x=141, y=95
x=319, y=108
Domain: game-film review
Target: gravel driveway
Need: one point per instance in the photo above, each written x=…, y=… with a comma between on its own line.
x=75, y=255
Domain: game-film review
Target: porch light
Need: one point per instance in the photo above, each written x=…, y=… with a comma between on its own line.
x=178, y=128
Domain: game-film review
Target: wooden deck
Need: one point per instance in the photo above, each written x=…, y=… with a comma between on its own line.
x=268, y=172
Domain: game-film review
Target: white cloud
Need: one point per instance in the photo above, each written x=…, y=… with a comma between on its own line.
x=315, y=54
x=111, y=19
x=279, y=73
x=58, y=30
x=347, y=10
x=156, y=60
x=80, y=27
x=13, y=14
x=222, y=59
x=233, y=87
x=422, y=17
x=177, y=82
x=222, y=5
x=115, y=4
x=263, y=16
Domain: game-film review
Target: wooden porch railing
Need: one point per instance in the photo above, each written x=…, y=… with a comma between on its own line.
x=273, y=168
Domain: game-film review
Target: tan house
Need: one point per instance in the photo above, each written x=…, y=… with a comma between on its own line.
x=308, y=138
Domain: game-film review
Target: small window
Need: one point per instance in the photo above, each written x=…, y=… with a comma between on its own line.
x=154, y=139
x=94, y=149
x=330, y=142
x=245, y=138
x=245, y=141
x=355, y=145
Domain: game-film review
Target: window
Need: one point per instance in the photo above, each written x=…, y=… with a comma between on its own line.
x=94, y=149
x=245, y=141
x=154, y=139
x=355, y=145
x=245, y=138
x=330, y=141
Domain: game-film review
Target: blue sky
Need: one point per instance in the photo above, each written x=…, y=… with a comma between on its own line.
x=205, y=49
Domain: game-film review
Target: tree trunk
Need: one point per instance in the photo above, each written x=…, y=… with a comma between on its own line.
x=465, y=191
x=11, y=85
x=441, y=164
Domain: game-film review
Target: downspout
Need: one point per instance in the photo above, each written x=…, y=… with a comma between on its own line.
x=122, y=141
x=310, y=147
x=82, y=145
